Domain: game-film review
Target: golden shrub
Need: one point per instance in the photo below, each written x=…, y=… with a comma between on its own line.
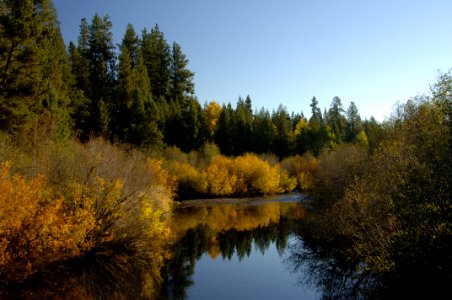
x=301, y=168
x=35, y=228
x=255, y=175
x=221, y=180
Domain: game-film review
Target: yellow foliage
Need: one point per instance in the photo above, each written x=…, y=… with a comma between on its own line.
x=303, y=123
x=255, y=175
x=186, y=176
x=212, y=114
x=287, y=183
x=35, y=229
x=163, y=185
x=221, y=180
x=301, y=168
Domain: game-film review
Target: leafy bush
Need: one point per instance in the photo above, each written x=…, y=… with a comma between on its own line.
x=36, y=227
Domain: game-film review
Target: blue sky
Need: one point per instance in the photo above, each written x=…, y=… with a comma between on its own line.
x=374, y=53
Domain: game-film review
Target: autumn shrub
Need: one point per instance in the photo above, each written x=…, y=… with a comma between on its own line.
x=336, y=170
x=220, y=177
x=255, y=175
x=302, y=169
x=36, y=228
x=287, y=184
x=101, y=196
x=393, y=209
x=188, y=180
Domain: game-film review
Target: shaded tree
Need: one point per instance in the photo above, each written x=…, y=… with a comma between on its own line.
x=180, y=78
x=157, y=59
x=336, y=120
x=283, y=142
x=264, y=132
x=35, y=79
x=353, y=122
x=223, y=134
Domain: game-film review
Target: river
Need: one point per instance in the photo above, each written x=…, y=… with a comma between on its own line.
x=222, y=249
x=237, y=250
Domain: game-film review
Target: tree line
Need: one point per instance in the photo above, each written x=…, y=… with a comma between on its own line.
x=141, y=93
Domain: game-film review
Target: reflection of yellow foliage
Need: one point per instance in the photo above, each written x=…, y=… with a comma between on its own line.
x=233, y=216
x=214, y=247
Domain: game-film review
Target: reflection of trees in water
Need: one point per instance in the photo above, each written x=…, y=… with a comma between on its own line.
x=203, y=239
x=116, y=273
x=335, y=278
x=339, y=276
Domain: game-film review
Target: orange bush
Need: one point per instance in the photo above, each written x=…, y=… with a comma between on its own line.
x=35, y=229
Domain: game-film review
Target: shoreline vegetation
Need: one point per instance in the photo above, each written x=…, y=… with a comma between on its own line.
x=95, y=146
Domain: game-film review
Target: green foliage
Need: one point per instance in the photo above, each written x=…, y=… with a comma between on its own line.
x=336, y=170
x=181, y=78
x=136, y=120
x=354, y=126
x=157, y=58
x=395, y=213
x=93, y=66
x=34, y=71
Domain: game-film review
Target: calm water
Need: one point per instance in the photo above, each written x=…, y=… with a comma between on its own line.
x=245, y=249
x=260, y=249
x=237, y=251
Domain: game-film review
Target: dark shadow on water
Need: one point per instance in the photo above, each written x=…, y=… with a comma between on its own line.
x=116, y=273
x=339, y=277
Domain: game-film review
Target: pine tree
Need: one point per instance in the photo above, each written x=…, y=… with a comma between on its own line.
x=264, y=132
x=102, y=60
x=336, y=120
x=156, y=55
x=283, y=143
x=34, y=69
x=243, y=126
x=223, y=134
x=93, y=64
x=354, y=125
x=181, y=79
x=315, y=110
x=136, y=114
x=131, y=41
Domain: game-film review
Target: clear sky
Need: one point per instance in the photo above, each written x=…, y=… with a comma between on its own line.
x=374, y=53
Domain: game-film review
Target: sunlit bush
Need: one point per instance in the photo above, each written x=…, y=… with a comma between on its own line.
x=220, y=177
x=187, y=179
x=255, y=175
x=287, y=183
x=90, y=197
x=36, y=228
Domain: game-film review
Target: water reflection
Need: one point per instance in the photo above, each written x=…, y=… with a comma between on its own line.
x=116, y=273
x=226, y=230
x=228, y=235
x=334, y=278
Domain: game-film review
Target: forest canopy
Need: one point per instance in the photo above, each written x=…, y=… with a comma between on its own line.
x=141, y=92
